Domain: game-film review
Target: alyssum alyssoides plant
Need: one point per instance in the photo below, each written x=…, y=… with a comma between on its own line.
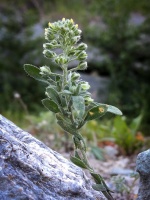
x=66, y=94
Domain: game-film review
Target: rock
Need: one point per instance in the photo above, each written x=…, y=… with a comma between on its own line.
x=111, y=151
x=29, y=170
x=143, y=168
x=121, y=171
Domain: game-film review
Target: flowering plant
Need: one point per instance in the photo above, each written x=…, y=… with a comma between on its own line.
x=66, y=94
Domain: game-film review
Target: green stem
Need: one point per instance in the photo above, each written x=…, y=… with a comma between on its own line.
x=65, y=74
x=106, y=193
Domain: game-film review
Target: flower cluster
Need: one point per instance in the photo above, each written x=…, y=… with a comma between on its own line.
x=65, y=35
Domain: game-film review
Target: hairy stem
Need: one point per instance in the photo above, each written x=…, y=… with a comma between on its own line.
x=65, y=74
x=106, y=193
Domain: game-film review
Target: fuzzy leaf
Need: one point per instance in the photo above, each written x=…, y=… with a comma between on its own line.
x=79, y=105
x=96, y=112
x=99, y=187
x=78, y=162
x=67, y=127
x=77, y=155
x=99, y=181
x=96, y=177
x=34, y=72
x=53, y=95
x=50, y=105
x=65, y=119
x=66, y=92
x=114, y=110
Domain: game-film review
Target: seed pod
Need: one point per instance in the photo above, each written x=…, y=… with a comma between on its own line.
x=75, y=76
x=82, y=55
x=82, y=66
x=82, y=46
x=49, y=54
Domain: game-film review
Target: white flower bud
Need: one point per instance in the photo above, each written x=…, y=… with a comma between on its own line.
x=46, y=93
x=85, y=85
x=45, y=70
x=75, y=76
x=88, y=99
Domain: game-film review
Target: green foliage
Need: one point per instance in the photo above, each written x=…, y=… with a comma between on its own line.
x=78, y=162
x=50, y=105
x=125, y=135
x=14, y=51
x=121, y=186
x=68, y=94
x=34, y=72
x=98, y=153
x=79, y=106
x=124, y=45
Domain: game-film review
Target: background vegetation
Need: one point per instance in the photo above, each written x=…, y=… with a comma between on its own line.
x=119, y=29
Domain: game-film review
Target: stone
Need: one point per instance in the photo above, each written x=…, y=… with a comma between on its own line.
x=143, y=168
x=29, y=170
x=121, y=171
x=111, y=151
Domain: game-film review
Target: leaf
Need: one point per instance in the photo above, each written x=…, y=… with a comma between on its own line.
x=114, y=110
x=50, y=105
x=79, y=105
x=53, y=95
x=96, y=112
x=34, y=72
x=78, y=162
x=136, y=123
x=61, y=117
x=66, y=92
x=99, y=187
x=77, y=155
x=120, y=126
x=96, y=177
x=99, y=181
x=98, y=153
x=67, y=127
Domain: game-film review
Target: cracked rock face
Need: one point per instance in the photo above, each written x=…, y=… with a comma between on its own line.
x=29, y=170
x=143, y=167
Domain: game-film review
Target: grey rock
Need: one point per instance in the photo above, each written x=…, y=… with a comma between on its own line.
x=29, y=170
x=143, y=168
x=121, y=171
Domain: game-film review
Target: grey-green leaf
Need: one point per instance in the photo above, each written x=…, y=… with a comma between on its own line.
x=50, y=105
x=96, y=177
x=79, y=105
x=66, y=127
x=67, y=92
x=77, y=155
x=34, y=72
x=96, y=112
x=78, y=162
x=114, y=110
x=53, y=95
x=99, y=187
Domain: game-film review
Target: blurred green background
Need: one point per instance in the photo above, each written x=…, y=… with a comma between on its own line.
x=117, y=33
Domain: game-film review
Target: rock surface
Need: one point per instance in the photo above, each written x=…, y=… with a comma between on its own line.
x=143, y=167
x=29, y=170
